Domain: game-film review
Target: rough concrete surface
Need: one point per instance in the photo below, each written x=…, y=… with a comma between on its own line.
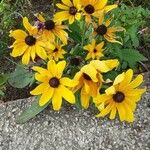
x=73, y=129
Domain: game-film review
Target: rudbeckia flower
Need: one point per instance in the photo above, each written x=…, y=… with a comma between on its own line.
x=53, y=86
x=56, y=52
x=95, y=8
x=94, y=51
x=27, y=44
x=70, y=11
x=121, y=97
x=104, y=29
x=90, y=79
x=51, y=28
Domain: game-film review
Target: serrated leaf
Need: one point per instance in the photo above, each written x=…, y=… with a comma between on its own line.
x=131, y=56
x=30, y=112
x=21, y=77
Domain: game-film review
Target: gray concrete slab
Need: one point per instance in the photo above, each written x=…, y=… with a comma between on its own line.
x=73, y=129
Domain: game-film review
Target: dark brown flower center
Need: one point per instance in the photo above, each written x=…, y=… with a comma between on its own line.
x=75, y=61
x=102, y=29
x=49, y=24
x=73, y=10
x=55, y=50
x=54, y=82
x=87, y=77
x=119, y=97
x=95, y=51
x=89, y=9
x=30, y=40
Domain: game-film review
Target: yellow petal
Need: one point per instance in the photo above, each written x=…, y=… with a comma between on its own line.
x=57, y=100
x=67, y=2
x=46, y=96
x=112, y=63
x=18, y=34
x=78, y=16
x=100, y=46
x=67, y=94
x=40, y=17
x=101, y=4
x=52, y=67
x=106, y=110
x=121, y=111
x=32, y=53
x=90, y=71
x=41, y=77
x=129, y=113
x=71, y=19
x=26, y=57
x=110, y=91
x=84, y=99
x=19, y=50
x=110, y=7
x=41, y=52
x=119, y=78
x=40, y=89
x=101, y=98
x=61, y=6
x=60, y=68
x=42, y=71
x=113, y=113
x=127, y=79
x=61, y=16
x=68, y=82
x=136, y=82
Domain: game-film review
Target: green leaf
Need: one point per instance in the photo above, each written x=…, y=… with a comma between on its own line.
x=3, y=79
x=21, y=77
x=78, y=100
x=1, y=93
x=131, y=56
x=30, y=112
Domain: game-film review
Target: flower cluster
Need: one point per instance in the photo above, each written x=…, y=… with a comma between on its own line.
x=82, y=74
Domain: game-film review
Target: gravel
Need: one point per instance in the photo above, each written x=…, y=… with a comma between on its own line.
x=73, y=129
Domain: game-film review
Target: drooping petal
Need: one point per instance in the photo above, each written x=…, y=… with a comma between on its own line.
x=121, y=111
x=113, y=113
x=46, y=96
x=110, y=7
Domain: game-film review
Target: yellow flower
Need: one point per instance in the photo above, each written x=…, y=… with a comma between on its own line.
x=51, y=28
x=90, y=79
x=56, y=52
x=70, y=11
x=103, y=29
x=27, y=45
x=122, y=96
x=95, y=8
x=53, y=86
x=94, y=51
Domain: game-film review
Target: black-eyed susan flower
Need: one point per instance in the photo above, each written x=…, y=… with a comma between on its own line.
x=121, y=97
x=103, y=29
x=95, y=51
x=90, y=79
x=27, y=44
x=70, y=11
x=95, y=8
x=53, y=86
x=51, y=28
x=55, y=52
